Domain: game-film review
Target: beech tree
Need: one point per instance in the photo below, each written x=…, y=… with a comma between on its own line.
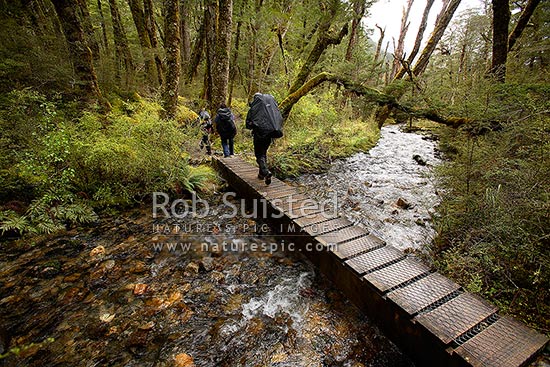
x=79, y=52
x=173, y=62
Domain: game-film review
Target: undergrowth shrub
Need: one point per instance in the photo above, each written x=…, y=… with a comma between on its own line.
x=75, y=165
x=494, y=223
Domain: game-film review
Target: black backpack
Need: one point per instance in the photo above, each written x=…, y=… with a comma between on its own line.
x=264, y=117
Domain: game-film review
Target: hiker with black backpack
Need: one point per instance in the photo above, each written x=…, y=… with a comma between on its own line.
x=207, y=129
x=266, y=122
x=225, y=125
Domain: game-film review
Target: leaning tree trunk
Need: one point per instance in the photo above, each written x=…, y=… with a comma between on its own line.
x=522, y=22
x=501, y=21
x=79, y=52
x=197, y=51
x=172, y=47
x=139, y=20
x=359, y=8
x=325, y=39
x=443, y=20
x=122, y=50
x=151, y=27
x=418, y=40
x=399, y=50
x=220, y=78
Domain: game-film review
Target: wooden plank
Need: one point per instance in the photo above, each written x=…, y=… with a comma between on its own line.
x=421, y=294
x=328, y=226
x=342, y=235
x=358, y=246
x=507, y=342
x=373, y=260
x=317, y=218
x=455, y=317
x=396, y=274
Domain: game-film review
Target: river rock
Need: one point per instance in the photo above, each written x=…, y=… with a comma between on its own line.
x=183, y=360
x=97, y=253
x=403, y=204
x=207, y=263
x=140, y=289
x=421, y=161
x=192, y=268
x=217, y=277
x=137, y=266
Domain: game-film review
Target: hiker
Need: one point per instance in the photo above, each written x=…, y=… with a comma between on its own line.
x=207, y=128
x=266, y=123
x=225, y=125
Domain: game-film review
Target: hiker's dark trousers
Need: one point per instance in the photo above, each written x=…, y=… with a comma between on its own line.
x=260, y=151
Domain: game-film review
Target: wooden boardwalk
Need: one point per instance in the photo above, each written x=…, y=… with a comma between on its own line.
x=429, y=316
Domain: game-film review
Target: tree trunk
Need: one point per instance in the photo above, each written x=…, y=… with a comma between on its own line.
x=197, y=52
x=379, y=44
x=522, y=22
x=172, y=47
x=220, y=78
x=325, y=39
x=399, y=50
x=139, y=20
x=359, y=8
x=418, y=40
x=443, y=20
x=88, y=29
x=185, y=33
x=79, y=52
x=233, y=66
x=501, y=21
x=210, y=15
x=122, y=51
x=253, y=85
x=152, y=32
x=103, y=27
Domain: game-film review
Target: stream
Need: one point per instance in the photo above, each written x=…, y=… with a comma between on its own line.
x=137, y=291
x=390, y=190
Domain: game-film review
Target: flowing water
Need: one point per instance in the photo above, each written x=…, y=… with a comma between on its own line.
x=138, y=291
x=390, y=189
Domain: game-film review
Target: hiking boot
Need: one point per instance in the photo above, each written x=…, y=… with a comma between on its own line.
x=261, y=177
x=268, y=178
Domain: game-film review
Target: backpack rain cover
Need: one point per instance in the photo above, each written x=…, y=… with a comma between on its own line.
x=264, y=117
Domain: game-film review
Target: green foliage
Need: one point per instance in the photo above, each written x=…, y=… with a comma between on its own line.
x=493, y=229
x=317, y=132
x=91, y=161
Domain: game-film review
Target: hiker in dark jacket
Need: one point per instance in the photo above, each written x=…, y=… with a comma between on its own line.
x=265, y=121
x=225, y=125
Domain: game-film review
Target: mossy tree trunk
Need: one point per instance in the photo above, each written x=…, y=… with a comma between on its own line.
x=148, y=55
x=79, y=52
x=501, y=21
x=220, y=78
x=325, y=38
x=196, y=53
x=148, y=9
x=123, y=56
x=173, y=66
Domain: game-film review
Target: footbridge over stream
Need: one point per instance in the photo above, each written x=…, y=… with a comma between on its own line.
x=429, y=316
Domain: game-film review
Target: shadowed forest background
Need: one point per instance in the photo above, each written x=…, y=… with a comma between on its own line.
x=98, y=103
